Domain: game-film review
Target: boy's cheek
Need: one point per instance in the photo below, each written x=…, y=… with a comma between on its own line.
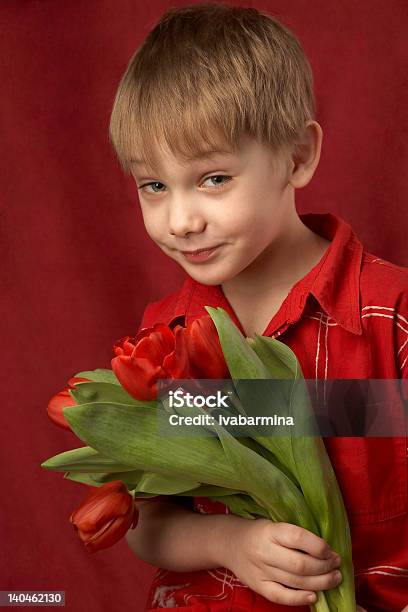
x=152, y=226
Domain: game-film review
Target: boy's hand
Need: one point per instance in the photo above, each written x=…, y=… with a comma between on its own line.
x=273, y=559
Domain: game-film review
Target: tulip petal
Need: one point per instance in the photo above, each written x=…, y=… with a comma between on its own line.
x=138, y=361
x=56, y=404
x=124, y=346
x=167, y=336
x=163, y=329
x=145, y=331
x=177, y=363
x=156, y=345
x=204, y=349
x=97, y=511
x=150, y=348
x=62, y=400
x=137, y=376
x=109, y=535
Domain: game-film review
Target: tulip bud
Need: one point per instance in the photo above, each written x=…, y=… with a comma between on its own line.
x=105, y=516
x=62, y=400
x=204, y=349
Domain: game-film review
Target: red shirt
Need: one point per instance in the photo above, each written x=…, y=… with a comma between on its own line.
x=347, y=318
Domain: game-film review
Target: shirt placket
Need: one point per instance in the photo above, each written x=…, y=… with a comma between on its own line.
x=289, y=313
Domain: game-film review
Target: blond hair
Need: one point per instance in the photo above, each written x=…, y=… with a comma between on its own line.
x=205, y=75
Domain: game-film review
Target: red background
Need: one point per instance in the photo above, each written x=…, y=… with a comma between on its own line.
x=77, y=267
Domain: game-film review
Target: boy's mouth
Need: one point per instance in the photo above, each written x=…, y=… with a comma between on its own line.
x=200, y=250
x=200, y=254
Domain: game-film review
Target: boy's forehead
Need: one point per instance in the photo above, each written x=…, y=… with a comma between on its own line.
x=200, y=156
x=207, y=154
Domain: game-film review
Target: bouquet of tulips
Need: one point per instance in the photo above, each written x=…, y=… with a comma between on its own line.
x=117, y=414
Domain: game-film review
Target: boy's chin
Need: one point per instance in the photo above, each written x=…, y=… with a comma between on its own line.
x=205, y=275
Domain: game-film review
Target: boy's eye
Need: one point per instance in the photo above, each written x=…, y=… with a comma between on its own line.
x=218, y=176
x=217, y=185
x=155, y=183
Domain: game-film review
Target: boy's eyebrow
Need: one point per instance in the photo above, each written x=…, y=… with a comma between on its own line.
x=209, y=154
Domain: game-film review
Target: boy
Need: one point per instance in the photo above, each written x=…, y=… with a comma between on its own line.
x=215, y=120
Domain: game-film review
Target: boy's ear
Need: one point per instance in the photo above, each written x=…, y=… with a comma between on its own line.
x=306, y=155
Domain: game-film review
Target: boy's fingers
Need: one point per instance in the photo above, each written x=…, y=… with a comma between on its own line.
x=293, y=536
x=312, y=583
x=277, y=593
x=300, y=563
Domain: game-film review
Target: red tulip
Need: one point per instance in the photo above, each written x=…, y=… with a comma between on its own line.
x=105, y=516
x=141, y=361
x=199, y=341
x=60, y=401
x=159, y=353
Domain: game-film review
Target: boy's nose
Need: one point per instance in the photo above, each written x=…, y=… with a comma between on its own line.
x=184, y=218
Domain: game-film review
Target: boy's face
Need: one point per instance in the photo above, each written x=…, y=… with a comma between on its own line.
x=234, y=201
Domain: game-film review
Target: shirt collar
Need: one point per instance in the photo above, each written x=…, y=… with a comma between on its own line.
x=334, y=281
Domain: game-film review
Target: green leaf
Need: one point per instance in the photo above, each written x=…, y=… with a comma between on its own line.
x=244, y=363
x=280, y=360
x=266, y=484
x=100, y=375
x=241, y=360
x=130, y=477
x=242, y=505
x=271, y=397
x=97, y=479
x=84, y=459
x=86, y=392
x=130, y=437
x=210, y=490
x=163, y=485
x=82, y=477
x=258, y=445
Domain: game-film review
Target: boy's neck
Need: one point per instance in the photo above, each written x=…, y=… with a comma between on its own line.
x=294, y=252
